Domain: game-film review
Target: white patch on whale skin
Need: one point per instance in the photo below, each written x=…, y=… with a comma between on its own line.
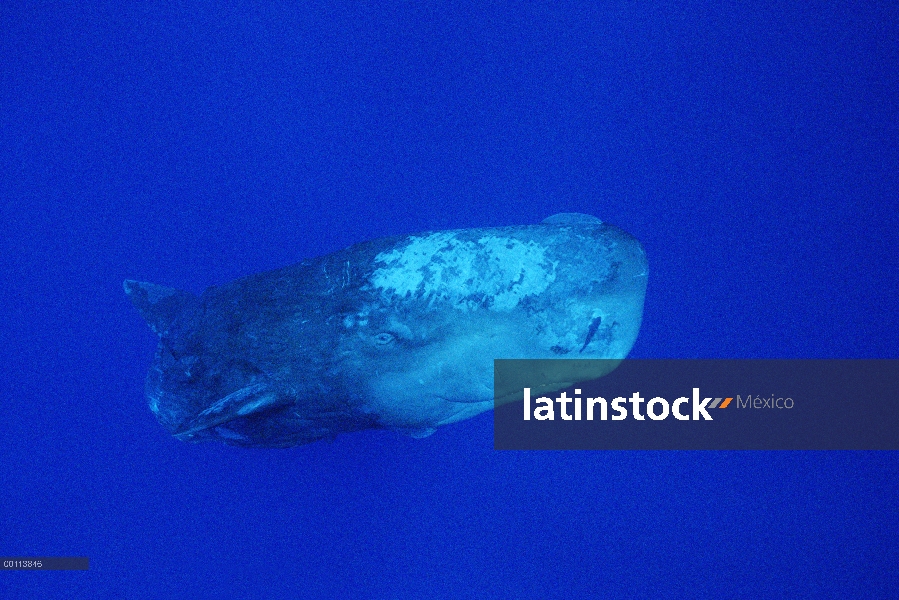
x=442, y=267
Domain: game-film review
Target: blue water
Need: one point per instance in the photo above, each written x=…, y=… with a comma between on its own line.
x=752, y=148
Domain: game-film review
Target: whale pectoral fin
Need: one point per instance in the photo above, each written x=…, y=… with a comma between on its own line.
x=242, y=403
x=419, y=433
x=157, y=304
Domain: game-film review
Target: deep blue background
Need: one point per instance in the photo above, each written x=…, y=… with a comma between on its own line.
x=752, y=148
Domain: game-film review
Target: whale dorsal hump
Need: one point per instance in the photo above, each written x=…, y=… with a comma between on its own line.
x=571, y=219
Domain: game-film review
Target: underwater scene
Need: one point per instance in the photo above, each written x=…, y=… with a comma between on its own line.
x=258, y=258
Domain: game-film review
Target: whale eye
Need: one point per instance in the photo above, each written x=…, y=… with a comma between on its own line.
x=384, y=338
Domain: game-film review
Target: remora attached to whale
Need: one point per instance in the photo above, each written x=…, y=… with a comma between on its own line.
x=397, y=333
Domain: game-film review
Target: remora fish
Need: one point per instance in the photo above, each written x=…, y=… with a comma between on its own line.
x=397, y=333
